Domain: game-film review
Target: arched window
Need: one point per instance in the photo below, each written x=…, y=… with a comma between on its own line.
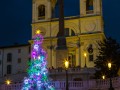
x=69, y=32
x=89, y=6
x=9, y=57
x=90, y=52
x=9, y=69
x=41, y=12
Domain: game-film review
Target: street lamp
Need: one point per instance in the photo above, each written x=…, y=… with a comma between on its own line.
x=66, y=69
x=85, y=59
x=109, y=66
x=8, y=82
x=103, y=77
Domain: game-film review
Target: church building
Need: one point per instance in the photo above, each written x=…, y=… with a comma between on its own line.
x=83, y=29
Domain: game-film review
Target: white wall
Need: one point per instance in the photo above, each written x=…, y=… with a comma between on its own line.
x=16, y=67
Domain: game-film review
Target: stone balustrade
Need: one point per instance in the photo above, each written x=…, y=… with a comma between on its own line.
x=71, y=70
x=96, y=84
x=53, y=73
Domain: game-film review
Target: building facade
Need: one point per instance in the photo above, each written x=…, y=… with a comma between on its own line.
x=83, y=26
x=83, y=29
x=14, y=59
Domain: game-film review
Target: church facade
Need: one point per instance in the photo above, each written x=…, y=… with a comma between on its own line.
x=83, y=25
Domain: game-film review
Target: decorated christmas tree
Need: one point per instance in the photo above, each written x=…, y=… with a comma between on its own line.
x=37, y=72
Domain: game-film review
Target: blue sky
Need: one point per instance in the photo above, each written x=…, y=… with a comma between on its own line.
x=15, y=20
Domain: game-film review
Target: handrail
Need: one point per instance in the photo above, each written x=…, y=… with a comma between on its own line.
x=73, y=85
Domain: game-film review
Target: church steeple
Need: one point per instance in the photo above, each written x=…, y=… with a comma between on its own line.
x=42, y=10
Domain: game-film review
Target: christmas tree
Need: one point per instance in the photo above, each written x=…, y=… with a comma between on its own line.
x=37, y=72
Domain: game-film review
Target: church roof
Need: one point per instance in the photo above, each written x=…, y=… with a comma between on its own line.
x=71, y=8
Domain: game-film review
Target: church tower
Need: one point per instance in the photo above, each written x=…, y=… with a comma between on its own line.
x=91, y=29
x=83, y=29
x=41, y=10
x=90, y=7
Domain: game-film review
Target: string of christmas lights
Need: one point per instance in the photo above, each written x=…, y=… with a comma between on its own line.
x=37, y=72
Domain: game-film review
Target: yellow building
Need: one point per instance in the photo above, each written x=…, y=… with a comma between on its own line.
x=83, y=23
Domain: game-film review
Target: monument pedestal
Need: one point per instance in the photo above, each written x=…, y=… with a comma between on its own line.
x=61, y=55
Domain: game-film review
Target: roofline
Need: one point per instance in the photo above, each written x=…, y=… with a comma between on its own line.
x=66, y=18
x=15, y=45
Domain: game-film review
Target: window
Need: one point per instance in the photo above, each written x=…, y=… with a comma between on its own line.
x=19, y=60
x=72, y=59
x=41, y=12
x=9, y=57
x=9, y=69
x=90, y=51
x=89, y=6
x=19, y=50
x=72, y=33
x=90, y=57
x=69, y=32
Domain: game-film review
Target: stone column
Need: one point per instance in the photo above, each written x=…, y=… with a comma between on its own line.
x=82, y=7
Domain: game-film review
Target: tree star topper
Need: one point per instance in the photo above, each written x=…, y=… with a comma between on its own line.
x=38, y=31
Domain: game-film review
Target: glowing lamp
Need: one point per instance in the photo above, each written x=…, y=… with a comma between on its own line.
x=103, y=77
x=109, y=65
x=85, y=54
x=8, y=82
x=38, y=31
x=66, y=64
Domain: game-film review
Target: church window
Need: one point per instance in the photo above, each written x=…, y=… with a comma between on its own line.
x=72, y=33
x=89, y=6
x=71, y=58
x=90, y=51
x=69, y=32
x=41, y=12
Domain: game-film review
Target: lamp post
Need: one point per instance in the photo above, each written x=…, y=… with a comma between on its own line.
x=66, y=69
x=85, y=59
x=103, y=77
x=109, y=66
x=8, y=82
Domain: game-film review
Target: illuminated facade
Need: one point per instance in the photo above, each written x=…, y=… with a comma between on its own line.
x=83, y=28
